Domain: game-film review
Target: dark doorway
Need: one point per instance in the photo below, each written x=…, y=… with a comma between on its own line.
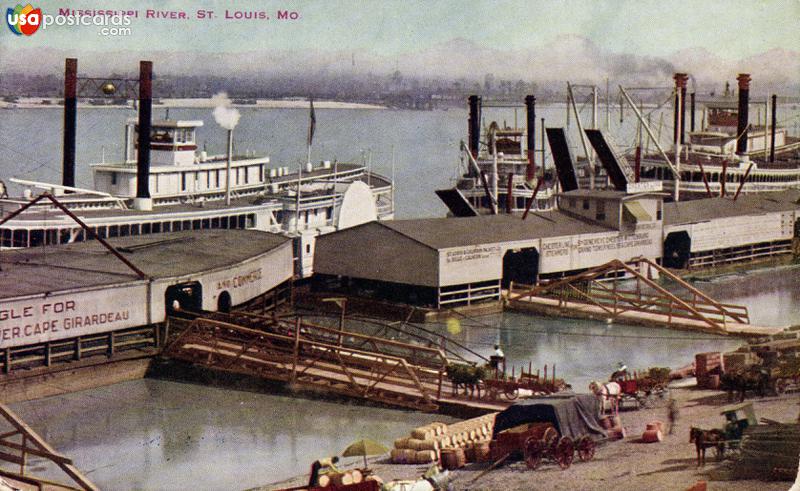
x=521, y=266
x=184, y=297
x=677, y=250
x=224, y=302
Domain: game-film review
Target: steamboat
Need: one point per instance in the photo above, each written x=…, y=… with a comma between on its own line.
x=501, y=171
x=729, y=154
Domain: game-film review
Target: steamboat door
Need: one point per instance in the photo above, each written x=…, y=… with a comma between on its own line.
x=184, y=297
x=521, y=266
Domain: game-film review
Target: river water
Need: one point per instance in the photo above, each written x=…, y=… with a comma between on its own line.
x=155, y=434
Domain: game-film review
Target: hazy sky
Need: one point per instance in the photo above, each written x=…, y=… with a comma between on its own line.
x=728, y=28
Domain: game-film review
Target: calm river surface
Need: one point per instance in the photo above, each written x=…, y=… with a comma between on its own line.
x=154, y=434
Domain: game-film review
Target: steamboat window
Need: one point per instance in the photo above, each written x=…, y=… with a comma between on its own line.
x=247, y=175
x=6, y=238
x=208, y=180
x=113, y=231
x=176, y=226
x=586, y=204
x=102, y=232
x=251, y=220
x=157, y=227
x=215, y=222
x=224, y=222
x=216, y=178
x=183, y=181
x=308, y=248
x=114, y=178
x=166, y=226
x=658, y=210
x=206, y=223
x=145, y=228
x=134, y=229
x=242, y=221
x=196, y=224
x=124, y=230
x=64, y=236
x=187, y=225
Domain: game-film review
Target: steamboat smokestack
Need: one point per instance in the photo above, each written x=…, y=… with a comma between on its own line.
x=774, y=126
x=692, y=111
x=680, y=112
x=70, y=121
x=530, y=106
x=145, y=116
x=744, y=101
x=474, y=126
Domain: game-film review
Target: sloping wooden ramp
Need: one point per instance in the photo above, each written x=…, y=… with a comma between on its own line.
x=323, y=359
x=627, y=292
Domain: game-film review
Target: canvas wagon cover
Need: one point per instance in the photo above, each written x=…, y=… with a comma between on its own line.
x=574, y=415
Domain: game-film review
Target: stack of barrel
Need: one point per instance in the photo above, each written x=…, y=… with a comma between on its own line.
x=437, y=441
x=654, y=432
x=613, y=427
x=708, y=367
x=340, y=478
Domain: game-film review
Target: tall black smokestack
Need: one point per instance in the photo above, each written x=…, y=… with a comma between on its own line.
x=691, y=109
x=744, y=102
x=530, y=106
x=774, y=127
x=680, y=112
x=145, y=115
x=70, y=121
x=474, y=127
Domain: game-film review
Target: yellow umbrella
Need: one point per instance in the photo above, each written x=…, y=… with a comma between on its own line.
x=364, y=447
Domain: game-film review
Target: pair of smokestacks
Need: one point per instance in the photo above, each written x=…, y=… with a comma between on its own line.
x=474, y=131
x=742, y=121
x=145, y=117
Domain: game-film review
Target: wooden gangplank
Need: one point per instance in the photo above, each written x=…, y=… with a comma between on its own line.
x=322, y=359
x=627, y=292
x=30, y=443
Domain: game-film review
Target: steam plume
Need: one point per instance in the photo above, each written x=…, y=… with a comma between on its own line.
x=225, y=115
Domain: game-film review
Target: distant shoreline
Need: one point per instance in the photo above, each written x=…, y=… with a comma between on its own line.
x=200, y=103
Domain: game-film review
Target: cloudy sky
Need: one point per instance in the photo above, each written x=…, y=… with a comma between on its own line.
x=726, y=28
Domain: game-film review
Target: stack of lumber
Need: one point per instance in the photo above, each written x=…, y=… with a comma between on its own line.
x=425, y=443
x=769, y=451
x=707, y=368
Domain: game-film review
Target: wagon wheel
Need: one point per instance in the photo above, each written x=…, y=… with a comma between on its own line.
x=565, y=452
x=550, y=437
x=533, y=451
x=780, y=386
x=511, y=393
x=492, y=392
x=586, y=447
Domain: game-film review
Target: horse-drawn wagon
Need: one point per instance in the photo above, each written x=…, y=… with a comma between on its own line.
x=553, y=428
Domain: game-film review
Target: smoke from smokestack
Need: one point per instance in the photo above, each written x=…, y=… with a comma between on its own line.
x=225, y=115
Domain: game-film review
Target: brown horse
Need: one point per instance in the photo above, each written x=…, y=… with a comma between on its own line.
x=704, y=439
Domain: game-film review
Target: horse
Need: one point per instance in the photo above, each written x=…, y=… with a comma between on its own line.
x=704, y=439
x=609, y=392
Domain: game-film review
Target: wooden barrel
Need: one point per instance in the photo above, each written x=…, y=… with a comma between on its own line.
x=421, y=433
x=655, y=425
x=481, y=451
x=617, y=433
x=342, y=479
x=357, y=476
x=427, y=445
x=425, y=457
x=453, y=458
x=652, y=436
x=323, y=480
x=401, y=442
x=414, y=444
